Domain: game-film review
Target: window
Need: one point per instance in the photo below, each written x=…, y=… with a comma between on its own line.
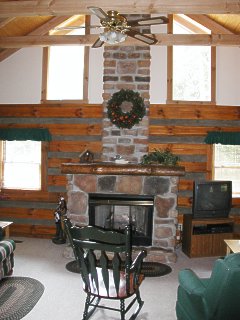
x=21, y=165
x=226, y=165
x=65, y=69
x=191, y=67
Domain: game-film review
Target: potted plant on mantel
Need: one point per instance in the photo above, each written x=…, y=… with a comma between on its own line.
x=160, y=157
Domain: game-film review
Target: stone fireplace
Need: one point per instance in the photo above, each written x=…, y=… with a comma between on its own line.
x=128, y=67
x=129, y=179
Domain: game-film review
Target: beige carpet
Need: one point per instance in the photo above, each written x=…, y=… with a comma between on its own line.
x=63, y=298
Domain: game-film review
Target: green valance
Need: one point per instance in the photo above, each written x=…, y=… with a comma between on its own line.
x=230, y=138
x=23, y=134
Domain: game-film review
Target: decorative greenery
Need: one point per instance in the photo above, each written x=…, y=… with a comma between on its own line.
x=126, y=119
x=164, y=157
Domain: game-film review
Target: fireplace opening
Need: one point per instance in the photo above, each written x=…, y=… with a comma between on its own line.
x=115, y=211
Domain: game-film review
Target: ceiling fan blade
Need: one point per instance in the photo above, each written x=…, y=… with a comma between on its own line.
x=142, y=37
x=99, y=12
x=75, y=27
x=148, y=22
x=98, y=43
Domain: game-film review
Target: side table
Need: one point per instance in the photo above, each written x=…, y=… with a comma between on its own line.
x=5, y=226
x=232, y=246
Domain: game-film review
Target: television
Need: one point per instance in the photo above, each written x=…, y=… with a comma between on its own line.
x=212, y=199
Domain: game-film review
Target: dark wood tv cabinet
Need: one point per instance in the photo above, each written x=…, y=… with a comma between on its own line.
x=205, y=237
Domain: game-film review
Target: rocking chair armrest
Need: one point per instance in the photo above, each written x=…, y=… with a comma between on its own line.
x=136, y=264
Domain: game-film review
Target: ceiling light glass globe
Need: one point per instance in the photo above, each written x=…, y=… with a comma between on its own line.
x=121, y=37
x=112, y=37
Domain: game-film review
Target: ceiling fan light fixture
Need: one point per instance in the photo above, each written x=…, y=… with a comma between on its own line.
x=112, y=37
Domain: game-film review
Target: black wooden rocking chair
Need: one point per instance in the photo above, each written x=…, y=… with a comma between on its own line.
x=105, y=274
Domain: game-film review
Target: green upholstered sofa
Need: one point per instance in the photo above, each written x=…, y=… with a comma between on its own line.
x=215, y=298
x=7, y=248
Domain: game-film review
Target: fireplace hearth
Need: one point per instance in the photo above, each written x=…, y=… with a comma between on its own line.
x=115, y=211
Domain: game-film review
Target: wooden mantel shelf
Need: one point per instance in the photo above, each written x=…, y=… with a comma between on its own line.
x=110, y=168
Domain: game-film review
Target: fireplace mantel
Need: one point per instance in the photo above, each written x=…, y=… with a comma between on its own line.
x=110, y=168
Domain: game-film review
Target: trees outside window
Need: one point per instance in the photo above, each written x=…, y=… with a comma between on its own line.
x=21, y=165
x=226, y=165
x=190, y=71
x=65, y=71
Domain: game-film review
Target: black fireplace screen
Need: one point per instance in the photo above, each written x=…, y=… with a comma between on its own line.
x=115, y=211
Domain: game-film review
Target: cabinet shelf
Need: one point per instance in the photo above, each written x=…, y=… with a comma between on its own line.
x=205, y=237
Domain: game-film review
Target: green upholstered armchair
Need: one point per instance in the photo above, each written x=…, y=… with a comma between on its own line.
x=216, y=298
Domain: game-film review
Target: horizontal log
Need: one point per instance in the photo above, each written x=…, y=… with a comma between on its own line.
x=71, y=7
x=184, y=201
x=56, y=162
x=180, y=148
x=107, y=168
x=156, y=111
x=236, y=219
x=96, y=129
x=35, y=231
x=189, y=166
x=185, y=185
x=28, y=195
x=61, y=129
x=75, y=146
x=61, y=110
x=172, y=130
x=57, y=180
x=27, y=213
x=235, y=202
x=194, y=166
x=88, y=40
x=194, y=112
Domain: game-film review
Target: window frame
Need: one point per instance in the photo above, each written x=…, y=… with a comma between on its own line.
x=214, y=167
x=44, y=159
x=45, y=61
x=170, y=73
x=211, y=168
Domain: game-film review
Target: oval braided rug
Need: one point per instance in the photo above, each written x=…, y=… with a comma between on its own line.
x=18, y=296
x=149, y=269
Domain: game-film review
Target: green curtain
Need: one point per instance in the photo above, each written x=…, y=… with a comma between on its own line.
x=230, y=138
x=35, y=134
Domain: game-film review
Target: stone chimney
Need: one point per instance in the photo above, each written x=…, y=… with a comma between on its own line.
x=126, y=67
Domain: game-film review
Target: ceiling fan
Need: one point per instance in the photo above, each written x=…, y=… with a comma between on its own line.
x=116, y=28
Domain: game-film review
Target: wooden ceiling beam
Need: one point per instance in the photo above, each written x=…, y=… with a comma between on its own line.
x=5, y=21
x=12, y=8
x=88, y=40
x=42, y=30
x=209, y=23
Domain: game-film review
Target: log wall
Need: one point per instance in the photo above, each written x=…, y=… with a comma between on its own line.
x=76, y=127
x=182, y=129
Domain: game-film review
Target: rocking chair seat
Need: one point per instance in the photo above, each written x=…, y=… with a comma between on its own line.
x=112, y=294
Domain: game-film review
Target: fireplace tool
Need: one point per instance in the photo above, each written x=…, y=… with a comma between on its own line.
x=59, y=215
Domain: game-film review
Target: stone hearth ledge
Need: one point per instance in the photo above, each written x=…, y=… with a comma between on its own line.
x=121, y=169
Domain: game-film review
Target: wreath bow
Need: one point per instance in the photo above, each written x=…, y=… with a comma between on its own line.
x=126, y=119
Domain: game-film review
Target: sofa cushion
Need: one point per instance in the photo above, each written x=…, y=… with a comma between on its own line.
x=6, y=248
x=6, y=257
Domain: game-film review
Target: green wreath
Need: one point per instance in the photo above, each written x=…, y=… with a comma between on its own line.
x=126, y=119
